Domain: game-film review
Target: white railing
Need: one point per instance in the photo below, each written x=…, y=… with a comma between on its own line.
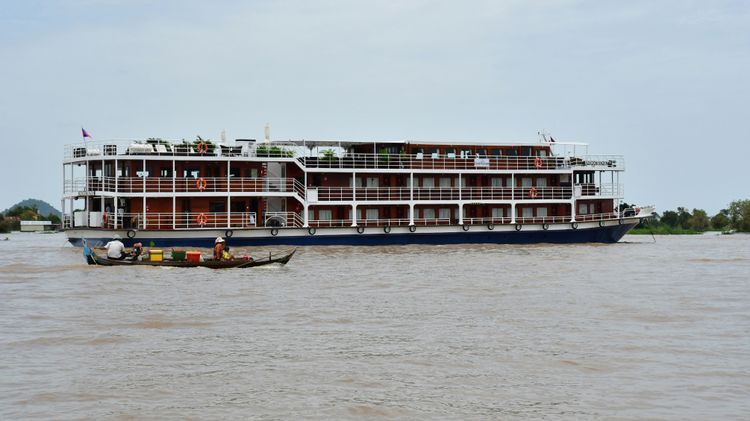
x=186, y=185
x=142, y=149
x=179, y=220
x=444, y=162
x=487, y=220
x=319, y=223
x=283, y=219
x=383, y=222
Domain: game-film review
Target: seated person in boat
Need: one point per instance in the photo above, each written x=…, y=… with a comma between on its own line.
x=219, y=246
x=137, y=250
x=115, y=248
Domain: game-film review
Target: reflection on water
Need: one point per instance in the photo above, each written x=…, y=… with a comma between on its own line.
x=627, y=331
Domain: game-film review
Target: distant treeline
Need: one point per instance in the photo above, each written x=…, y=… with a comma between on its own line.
x=11, y=219
x=681, y=221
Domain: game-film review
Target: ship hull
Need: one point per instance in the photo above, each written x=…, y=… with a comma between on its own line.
x=592, y=232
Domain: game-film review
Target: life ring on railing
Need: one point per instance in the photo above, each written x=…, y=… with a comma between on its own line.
x=490, y=227
x=131, y=234
x=105, y=218
x=274, y=231
x=518, y=227
x=465, y=227
x=533, y=193
x=360, y=230
x=412, y=228
x=311, y=231
x=601, y=223
x=387, y=229
x=202, y=148
x=201, y=184
x=545, y=226
x=621, y=221
x=574, y=225
x=538, y=162
x=201, y=219
x=228, y=233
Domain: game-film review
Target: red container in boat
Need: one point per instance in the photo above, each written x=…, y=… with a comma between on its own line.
x=193, y=256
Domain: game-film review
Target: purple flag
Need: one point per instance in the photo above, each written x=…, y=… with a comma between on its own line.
x=85, y=134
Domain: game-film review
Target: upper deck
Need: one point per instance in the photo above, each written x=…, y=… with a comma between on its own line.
x=347, y=156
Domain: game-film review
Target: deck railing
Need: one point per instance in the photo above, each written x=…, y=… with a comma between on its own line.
x=186, y=185
x=179, y=220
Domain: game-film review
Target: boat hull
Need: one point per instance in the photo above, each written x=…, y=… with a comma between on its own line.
x=590, y=232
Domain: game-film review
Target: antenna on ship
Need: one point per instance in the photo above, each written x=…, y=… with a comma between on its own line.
x=268, y=133
x=223, y=137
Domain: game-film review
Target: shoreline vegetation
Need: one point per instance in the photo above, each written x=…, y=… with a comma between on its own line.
x=735, y=218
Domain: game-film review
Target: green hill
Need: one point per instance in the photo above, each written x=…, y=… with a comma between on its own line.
x=43, y=208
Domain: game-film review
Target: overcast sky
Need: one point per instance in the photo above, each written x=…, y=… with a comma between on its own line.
x=665, y=83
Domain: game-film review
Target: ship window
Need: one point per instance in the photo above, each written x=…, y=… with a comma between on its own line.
x=428, y=213
x=253, y=172
x=497, y=182
x=526, y=182
x=324, y=214
x=450, y=152
x=234, y=172
x=217, y=206
x=372, y=182
x=527, y=212
x=498, y=212
x=371, y=214
x=445, y=213
x=526, y=151
x=164, y=172
x=463, y=181
x=445, y=181
x=511, y=152
x=542, y=152
x=428, y=182
x=582, y=209
x=466, y=154
x=541, y=182
x=481, y=153
x=541, y=212
x=592, y=208
x=497, y=152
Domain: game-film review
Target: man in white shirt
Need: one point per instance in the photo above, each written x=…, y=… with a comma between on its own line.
x=115, y=248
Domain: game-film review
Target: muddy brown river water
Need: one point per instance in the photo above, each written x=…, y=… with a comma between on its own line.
x=635, y=330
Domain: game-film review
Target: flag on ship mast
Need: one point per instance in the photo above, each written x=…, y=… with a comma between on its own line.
x=85, y=134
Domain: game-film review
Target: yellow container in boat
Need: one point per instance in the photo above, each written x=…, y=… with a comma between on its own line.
x=156, y=255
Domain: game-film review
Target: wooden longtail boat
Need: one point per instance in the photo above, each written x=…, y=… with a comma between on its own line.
x=238, y=263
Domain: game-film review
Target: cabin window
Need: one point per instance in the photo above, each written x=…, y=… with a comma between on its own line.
x=450, y=152
x=234, y=172
x=372, y=181
x=445, y=213
x=463, y=181
x=592, y=208
x=445, y=181
x=526, y=182
x=541, y=182
x=527, y=212
x=497, y=152
x=428, y=213
x=498, y=212
x=164, y=172
x=324, y=214
x=541, y=212
x=497, y=182
x=543, y=153
x=217, y=206
x=253, y=172
x=525, y=151
x=511, y=152
x=564, y=178
x=428, y=182
x=583, y=209
x=481, y=153
x=371, y=214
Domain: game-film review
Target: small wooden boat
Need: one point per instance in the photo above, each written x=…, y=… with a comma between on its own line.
x=237, y=263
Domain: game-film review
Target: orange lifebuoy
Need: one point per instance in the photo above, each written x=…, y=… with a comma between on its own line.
x=105, y=218
x=201, y=184
x=203, y=147
x=538, y=162
x=533, y=193
x=202, y=219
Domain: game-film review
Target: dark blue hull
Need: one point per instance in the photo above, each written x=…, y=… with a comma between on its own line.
x=607, y=234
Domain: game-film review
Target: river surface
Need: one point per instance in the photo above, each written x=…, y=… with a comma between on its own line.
x=634, y=330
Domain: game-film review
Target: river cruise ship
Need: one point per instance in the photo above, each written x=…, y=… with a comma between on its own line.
x=317, y=192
